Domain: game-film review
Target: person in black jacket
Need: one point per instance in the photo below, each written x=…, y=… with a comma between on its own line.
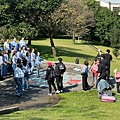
x=108, y=58
x=50, y=78
x=59, y=71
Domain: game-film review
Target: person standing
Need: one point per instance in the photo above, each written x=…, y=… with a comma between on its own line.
x=18, y=75
x=14, y=43
x=22, y=42
x=37, y=62
x=1, y=66
x=108, y=58
x=84, y=74
x=14, y=60
x=101, y=71
x=94, y=70
x=32, y=60
x=6, y=45
x=23, y=51
x=25, y=83
x=59, y=71
x=50, y=78
x=19, y=54
x=28, y=61
x=6, y=61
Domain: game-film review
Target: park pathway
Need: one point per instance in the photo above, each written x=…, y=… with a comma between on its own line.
x=37, y=96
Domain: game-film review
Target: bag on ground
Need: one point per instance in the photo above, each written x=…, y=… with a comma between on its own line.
x=106, y=98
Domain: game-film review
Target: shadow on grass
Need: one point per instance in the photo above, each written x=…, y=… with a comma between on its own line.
x=46, y=52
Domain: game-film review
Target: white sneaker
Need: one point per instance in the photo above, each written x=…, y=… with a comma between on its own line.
x=57, y=92
x=50, y=94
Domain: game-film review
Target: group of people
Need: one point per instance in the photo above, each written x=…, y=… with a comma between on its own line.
x=100, y=70
x=55, y=74
x=22, y=61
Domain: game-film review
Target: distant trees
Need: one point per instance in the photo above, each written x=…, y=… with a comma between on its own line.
x=31, y=18
x=78, y=19
x=70, y=17
x=107, y=24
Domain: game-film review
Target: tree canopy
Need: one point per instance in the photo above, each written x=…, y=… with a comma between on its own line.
x=30, y=18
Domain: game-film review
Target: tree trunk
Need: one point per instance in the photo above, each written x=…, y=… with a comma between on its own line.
x=29, y=41
x=73, y=38
x=53, y=47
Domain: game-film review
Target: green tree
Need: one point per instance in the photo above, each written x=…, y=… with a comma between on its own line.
x=105, y=20
x=115, y=37
x=71, y=17
x=25, y=15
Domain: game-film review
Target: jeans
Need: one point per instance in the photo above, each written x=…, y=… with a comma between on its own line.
x=1, y=70
x=23, y=83
x=18, y=82
x=32, y=66
x=26, y=80
x=38, y=68
x=13, y=66
x=5, y=69
x=94, y=80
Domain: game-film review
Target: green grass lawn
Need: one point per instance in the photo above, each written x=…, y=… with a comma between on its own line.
x=73, y=105
x=69, y=52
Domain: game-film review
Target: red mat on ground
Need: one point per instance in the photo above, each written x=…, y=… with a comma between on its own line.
x=74, y=81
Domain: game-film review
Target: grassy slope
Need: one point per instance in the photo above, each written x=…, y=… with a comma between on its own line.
x=69, y=52
x=74, y=105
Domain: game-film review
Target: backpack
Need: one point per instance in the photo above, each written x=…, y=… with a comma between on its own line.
x=52, y=73
x=62, y=68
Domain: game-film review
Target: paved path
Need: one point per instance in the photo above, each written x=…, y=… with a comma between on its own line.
x=37, y=96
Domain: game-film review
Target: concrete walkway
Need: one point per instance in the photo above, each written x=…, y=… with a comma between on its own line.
x=37, y=97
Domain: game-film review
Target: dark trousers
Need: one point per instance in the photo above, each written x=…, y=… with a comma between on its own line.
x=118, y=87
x=51, y=83
x=108, y=75
x=59, y=80
x=84, y=82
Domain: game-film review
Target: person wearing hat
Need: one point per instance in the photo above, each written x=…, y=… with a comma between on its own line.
x=50, y=78
x=59, y=71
